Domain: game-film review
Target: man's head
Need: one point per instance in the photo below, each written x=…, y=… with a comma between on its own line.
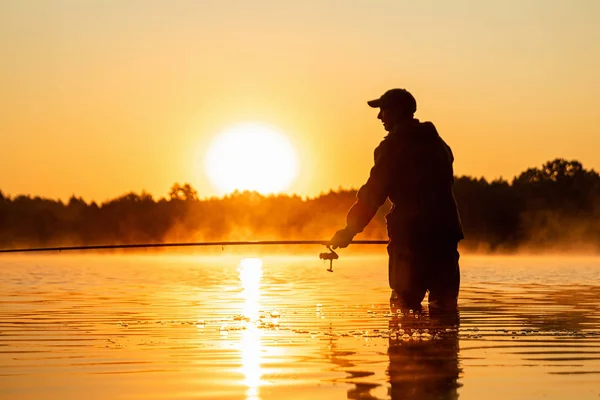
x=395, y=105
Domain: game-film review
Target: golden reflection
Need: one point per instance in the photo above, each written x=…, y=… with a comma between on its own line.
x=250, y=271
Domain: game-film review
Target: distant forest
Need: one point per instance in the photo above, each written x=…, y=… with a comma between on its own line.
x=555, y=207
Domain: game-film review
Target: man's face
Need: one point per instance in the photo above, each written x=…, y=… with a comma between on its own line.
x=389, y=116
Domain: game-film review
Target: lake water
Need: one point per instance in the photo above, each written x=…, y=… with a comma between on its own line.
x=281, y=327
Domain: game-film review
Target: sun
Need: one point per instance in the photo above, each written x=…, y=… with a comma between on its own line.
x=252, y=157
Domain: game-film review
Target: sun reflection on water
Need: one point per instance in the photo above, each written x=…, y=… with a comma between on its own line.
x=250, y=271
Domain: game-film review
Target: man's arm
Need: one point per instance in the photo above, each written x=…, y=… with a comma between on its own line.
x=370, y=196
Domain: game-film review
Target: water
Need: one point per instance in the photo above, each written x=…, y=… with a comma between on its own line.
x=177, y=327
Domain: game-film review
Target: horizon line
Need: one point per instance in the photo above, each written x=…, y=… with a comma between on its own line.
x=266, y=194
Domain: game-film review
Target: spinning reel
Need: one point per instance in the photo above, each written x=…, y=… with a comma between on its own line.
x=332, y=255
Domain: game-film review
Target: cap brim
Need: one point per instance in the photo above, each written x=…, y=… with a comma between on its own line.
x=374, y=103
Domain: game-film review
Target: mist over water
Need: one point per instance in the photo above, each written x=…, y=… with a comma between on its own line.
x=252, y=326
x=553, y=208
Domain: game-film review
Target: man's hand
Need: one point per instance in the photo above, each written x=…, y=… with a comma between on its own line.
x=341, y=239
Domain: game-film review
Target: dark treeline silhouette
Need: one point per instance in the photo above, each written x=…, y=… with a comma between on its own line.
x=555, y=207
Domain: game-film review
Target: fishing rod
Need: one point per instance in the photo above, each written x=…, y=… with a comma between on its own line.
x=330, y=256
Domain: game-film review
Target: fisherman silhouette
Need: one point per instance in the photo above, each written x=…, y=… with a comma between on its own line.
x=413, y=168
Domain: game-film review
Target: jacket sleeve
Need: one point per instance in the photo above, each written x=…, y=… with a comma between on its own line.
x=374, y=192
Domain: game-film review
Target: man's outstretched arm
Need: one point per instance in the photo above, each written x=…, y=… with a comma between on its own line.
x=370, y=197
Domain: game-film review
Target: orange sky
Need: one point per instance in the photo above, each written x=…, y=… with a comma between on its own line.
x=99, y=98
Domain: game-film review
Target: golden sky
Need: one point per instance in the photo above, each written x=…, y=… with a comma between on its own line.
x=99, y=98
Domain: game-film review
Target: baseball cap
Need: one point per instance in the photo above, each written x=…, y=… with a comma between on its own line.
x=395, y=97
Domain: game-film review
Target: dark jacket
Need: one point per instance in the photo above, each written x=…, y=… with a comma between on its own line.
x=413, y=168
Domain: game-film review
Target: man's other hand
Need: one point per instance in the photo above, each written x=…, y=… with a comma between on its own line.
x=341, y=239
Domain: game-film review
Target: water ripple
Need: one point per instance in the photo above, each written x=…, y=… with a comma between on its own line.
x=196, y=327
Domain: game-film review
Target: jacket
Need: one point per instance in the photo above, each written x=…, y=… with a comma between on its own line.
x=413, y=168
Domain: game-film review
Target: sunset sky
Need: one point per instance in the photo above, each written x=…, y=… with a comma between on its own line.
x=99, y=98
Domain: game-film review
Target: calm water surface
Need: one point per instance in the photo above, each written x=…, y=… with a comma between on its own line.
x=177, y=327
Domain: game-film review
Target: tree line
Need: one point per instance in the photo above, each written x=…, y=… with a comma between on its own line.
x=555, y=206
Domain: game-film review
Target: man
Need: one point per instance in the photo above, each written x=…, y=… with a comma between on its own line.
x=413, y=168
